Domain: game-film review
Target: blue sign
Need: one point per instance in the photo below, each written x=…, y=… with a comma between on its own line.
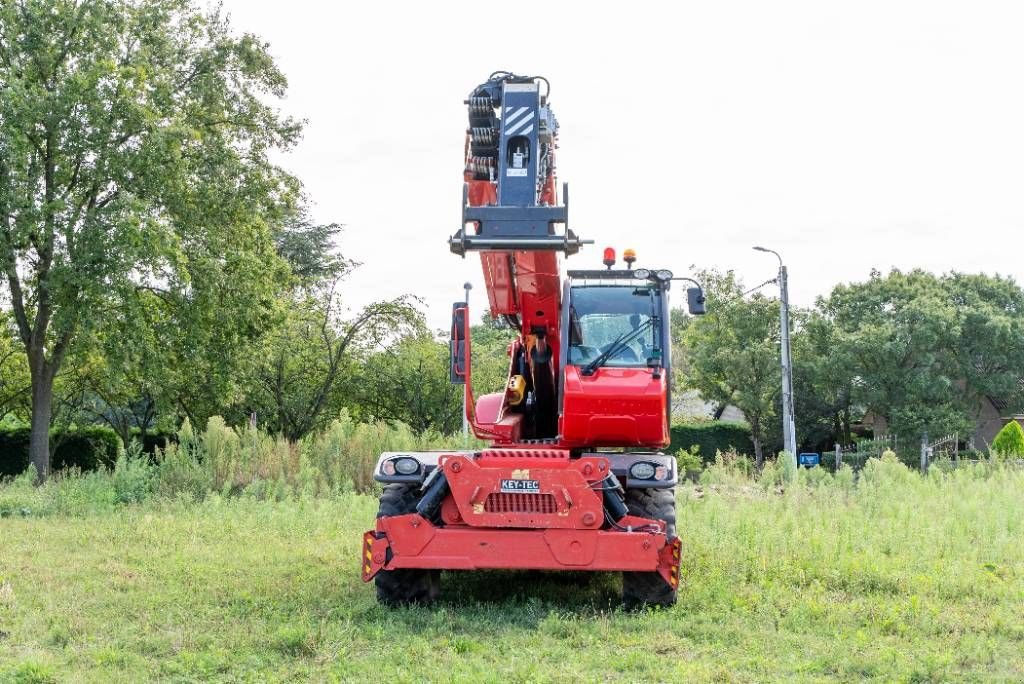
x=810, y=460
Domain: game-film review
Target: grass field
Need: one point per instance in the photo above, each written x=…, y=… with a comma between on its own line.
x=897, y=578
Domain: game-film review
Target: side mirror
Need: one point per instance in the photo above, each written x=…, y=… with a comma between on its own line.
x=695, y=301
x=457, y=345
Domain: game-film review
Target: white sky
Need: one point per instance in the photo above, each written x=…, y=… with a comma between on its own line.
x=844, y=135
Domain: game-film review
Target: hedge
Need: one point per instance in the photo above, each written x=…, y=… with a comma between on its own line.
x=711, y=437
x=87, y=448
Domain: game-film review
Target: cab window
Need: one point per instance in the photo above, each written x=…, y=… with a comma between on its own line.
x=602, y=316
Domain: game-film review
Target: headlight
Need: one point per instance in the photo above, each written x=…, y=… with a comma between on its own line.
x=406, y=466
x=641, y=274
x=664, y=274
x=642, y=470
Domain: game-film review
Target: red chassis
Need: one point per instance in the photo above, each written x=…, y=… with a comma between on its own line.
x=589, y=370
x=487, y=522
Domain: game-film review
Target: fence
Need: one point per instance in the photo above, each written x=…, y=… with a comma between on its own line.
x=857, y=454
x=948, y=448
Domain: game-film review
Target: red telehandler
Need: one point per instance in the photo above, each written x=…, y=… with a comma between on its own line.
x=572, y=479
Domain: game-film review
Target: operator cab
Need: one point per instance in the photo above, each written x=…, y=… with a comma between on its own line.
x=616, y=388
x=615, y=326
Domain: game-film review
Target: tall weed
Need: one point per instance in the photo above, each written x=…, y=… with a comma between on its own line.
x=134, y=476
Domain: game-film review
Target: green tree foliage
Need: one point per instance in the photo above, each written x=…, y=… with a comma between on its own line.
x=309, y=248
x=410, y=382
x=679, y=321
x=823, y=387
x=1010, y=440
x=922, y=351
x=896, y=336
x=133, y=156
x=302, y=372
x=734, y=353
x=990, y=340
x=308, y=367
x=490, y=342
x=15, y=384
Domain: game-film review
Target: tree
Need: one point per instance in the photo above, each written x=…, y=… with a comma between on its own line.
x=734, y=353
x=822, y=382
x=300, y=369
x=922, y=351
x=128, y=381
x=990, y=341
x=309, y=249
x=410, y=382
x=898, y=334
x=133, y=155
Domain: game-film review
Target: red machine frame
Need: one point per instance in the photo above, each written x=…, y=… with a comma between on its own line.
x=562, y=519
x=484, y=529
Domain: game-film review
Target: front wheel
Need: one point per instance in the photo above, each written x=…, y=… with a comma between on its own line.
x=404, y=586
x=641, y=589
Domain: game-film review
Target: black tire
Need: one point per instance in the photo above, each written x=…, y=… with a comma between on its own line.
x=642, y=589
x=405, y=586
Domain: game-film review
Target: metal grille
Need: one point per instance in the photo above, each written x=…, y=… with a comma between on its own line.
x=520, y=503
x=562, y=454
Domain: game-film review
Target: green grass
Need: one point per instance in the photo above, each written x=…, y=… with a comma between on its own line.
x=899, y=578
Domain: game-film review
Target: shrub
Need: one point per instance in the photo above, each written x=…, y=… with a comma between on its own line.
x=346, y=452
x=90, y=447
x=87, y=448
x=770, y=476
x=1010, y=440
x=158, y=439
x=13, y=450
x=888, y=472
x=845, y=478
x=179, y=470
x=689, y=460
x=231, y=461
x=711, y=437
x=729, y=467
x=134, y=475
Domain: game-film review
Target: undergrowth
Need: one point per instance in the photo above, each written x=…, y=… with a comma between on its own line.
x=225, y=460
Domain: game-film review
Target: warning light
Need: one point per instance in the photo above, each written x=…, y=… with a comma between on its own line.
x=629, y=256
x=609, y=257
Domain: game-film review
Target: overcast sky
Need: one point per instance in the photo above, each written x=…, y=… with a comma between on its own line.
x=846, y=136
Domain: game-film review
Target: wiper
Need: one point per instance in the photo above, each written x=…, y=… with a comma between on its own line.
x=616, y=346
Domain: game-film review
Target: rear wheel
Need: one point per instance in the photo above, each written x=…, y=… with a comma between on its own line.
x=407, y=585
x=640, y=589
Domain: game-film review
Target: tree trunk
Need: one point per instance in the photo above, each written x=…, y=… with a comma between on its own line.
x=124, y=431
x=755, y=437
x=42, y=410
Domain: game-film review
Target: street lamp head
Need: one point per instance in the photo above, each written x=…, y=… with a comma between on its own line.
x=759, y=248
x=467, y=286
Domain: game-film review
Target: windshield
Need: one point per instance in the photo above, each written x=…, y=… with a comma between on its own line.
x=602, y=315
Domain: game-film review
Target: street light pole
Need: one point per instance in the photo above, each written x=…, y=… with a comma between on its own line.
x=467, y=286
x=788, y=421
